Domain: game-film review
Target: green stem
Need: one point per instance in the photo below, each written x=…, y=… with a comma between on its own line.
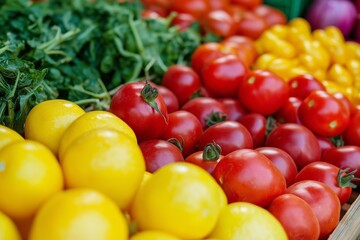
x=134, y=31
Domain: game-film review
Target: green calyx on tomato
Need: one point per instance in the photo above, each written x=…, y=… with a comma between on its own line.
x=345, y=179
x=215, y=117
x=149, y=94
x=212, y=152
x=177, y=143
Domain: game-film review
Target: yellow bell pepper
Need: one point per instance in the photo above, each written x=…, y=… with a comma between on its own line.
x=333, y=87
x=280, y=30
x=334, y=33
x=352, y=50
x=301, y=25
x=319, y=53
x=283, y=66
x=271, y=43
x=353, y=66
x=319, y=74
x=339, y=74
x=264, y=60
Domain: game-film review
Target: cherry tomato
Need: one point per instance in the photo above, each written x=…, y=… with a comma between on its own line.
x=302, y=85
x=256, y=124
x=218, y=4
x=324, y=143
x=251, y=25
x=222, y=76
x=344, y=157
x=245, y=48
x=131, y=104
x=345, y=100
x=331, y=175
x=234, y=110
x=282, y=160
x=170, y=99
x=219, y=22
x=263, y=92
x=323, y=201
x=288, y=113
x=148, y=13
x=207, y=52
x=230, y=135
x=158, y=153
x=183, y=81
x=186, y=128
x=248, y=176
x=322, y=113
x=271, y=15
x=208, y=110
x=183, y=21
x=207, y=158
x=196, y=8
x=247, y=3
x=161, y=3
x=298, y=141
x=296, y=216
x=351, y=135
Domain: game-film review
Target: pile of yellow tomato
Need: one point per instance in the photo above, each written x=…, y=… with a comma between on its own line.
x=294, y=49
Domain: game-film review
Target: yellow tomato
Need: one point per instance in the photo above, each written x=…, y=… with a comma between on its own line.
x=153, y=235
x=29, y=175
x=106, y=160
x=301, y=24
x=352, y=50
x=271, y=43
x=90, y=121
x=241, y=220
x=79, y=214
x=339, y=74
x=264, y=60
x=47, y=121
x=7, y=136
x=282, y=67
x=280, y=30
x=181, y=199
x=8, y=230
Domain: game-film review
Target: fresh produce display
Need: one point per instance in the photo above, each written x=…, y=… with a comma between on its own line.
x=162, y=119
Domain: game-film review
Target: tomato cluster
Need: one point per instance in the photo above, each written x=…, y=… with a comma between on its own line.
x=265, y=140
x=223, y=18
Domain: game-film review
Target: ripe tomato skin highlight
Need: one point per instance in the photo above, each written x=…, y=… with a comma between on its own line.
x=234, y=110
x=323, y=114
x=230, y=135
x=298, y=141
x=251, y=25
x=302, y=85
x=288, y=113
x=222, y=76
x=183, y=21
x=263, y=92
x=186, y=128
x=271, y=15
x=323, y=201
x=203, y=107
x=288, y=207
x=247, y=175
x=219, y=22
x=351, y=135
x=282, y=160
x=128, y=105
x=196, y=8
x=256, y=124
x=326, y=173
x=158, y=153
x=183, y=81
x=344, y=157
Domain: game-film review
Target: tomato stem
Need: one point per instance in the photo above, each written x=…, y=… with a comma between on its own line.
x=345, y=179
x=149, y=94
x=211, y=152
x=214, y=118
x=177, y=143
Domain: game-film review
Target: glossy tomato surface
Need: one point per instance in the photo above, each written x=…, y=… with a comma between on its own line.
x=234, y=110
x=288, y=113
x=256, y=124
x=302, y=85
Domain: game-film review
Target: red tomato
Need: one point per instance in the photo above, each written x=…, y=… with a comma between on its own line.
x=323, y=201
x=282, y=160
x=162, y=11
x=219, y=22
x=247, y=175
x=162, y=3
x=263, y=92
x=234, y=110
x=170, y=99
x=186, y=128
x=147, y=13
x=207, y=158
x=324, y=143
x=271, y=15
x=296, y=216
x=230, y=135
x=251, y=25
x=344, y=157
x=256, y=124
x=207, y=52
x=131, y=104
x=236, y=12
x=183, y=21
x=222, y=76
x=351, y=135
x=331, y=175
x=302, y=85
x=322, y=113
x=196, y=8
x=298, y=141
x=208, y=110
x=183, y=81
x=345, y=100
x=218, y=4
x=158, y=153
x=247, y=3
x=245, y=48
x=288, y=113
